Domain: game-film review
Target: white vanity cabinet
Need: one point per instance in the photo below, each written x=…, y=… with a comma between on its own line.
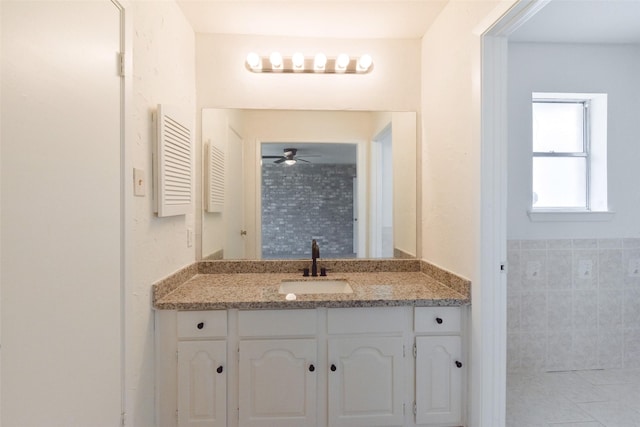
x=277, y=368
x=318, y=367
x=366, y=351
x=439, y=366
x=202, y=374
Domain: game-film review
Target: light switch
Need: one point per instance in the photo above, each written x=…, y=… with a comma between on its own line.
x=189, y=237
x=139, y=184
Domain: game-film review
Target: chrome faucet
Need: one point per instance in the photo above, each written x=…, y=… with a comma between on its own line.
x=315, y=254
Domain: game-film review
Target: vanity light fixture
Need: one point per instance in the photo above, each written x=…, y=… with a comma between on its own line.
x=276, y=61
x=342, y=62
x=319, y=62
x=364, y=63
x=254, y=62
x=298, y=63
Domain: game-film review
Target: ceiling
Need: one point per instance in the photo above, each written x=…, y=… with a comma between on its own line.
x=583, y=21
x=347, y=19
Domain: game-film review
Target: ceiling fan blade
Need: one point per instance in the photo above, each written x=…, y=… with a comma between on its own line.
x=280, y=160
x=271, y=157
x=302, y=160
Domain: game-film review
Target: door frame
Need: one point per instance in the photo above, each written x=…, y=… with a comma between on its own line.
x=492, y=314
x=127, y=284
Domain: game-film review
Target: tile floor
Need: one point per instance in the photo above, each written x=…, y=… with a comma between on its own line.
x=598, y=398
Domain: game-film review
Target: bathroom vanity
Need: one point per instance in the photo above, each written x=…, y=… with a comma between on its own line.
x=234, y=351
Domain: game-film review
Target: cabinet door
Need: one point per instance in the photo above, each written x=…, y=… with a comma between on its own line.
x=365, y=381
x=202, y=384
x=278, y=382
x=438, y=380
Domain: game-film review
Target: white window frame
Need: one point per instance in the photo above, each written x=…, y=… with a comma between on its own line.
x=594, y=149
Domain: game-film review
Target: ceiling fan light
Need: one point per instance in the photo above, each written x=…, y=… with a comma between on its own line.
x=290, y=162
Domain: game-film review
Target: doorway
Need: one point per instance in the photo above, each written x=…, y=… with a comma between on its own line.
x=568, y=338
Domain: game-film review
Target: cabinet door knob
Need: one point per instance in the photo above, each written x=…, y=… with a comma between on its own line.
x=333, y=367
x=439, y=320
x=458, y=364
x=220, y=369
x=312, y=368
x=200, y=325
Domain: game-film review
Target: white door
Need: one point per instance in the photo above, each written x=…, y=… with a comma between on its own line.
x=61, y=213
x=234, y=208
x=202, y=384
x=278, y=383
x=438, y=380
x=365, y=381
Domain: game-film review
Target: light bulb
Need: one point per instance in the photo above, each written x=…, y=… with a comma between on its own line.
x=290, y=162
x=276, y=61
x=342, y=62
x=253, y=61
x=364, y=63
x=320, y=62
x=298, y=61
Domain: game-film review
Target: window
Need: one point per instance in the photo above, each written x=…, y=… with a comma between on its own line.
x=569, y=152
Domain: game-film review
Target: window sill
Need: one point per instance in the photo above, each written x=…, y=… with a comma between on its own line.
x=562, y=216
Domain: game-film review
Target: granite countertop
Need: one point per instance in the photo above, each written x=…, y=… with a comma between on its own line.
x=204, y=291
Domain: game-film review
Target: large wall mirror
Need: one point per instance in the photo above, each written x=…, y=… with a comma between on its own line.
x=273, y=180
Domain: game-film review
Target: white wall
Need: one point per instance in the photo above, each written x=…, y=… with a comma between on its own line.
x=163, y=73
x=404, y=147
x=224, y=82
x=611, y=69
x=451, y=169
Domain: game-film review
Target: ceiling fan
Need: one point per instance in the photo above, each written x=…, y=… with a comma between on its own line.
x=289, y=157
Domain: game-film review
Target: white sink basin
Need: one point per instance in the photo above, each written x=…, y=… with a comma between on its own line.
x=315, y=287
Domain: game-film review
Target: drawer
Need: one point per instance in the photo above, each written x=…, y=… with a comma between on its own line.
x=261, y=323
x=366, y=320
x=437, y=319
x=202, y=324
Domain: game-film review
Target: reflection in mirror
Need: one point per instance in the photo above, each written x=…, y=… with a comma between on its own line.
x=350, y=184
x=309, y=192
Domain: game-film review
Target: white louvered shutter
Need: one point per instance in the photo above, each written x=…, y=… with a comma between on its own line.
x=215, y=178
x=174, y=162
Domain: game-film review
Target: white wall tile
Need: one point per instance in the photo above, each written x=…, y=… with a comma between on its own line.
x=559, y=269
x=611, y=269
x=533, y=311
x=513, y=311
x=631, y=308
x=609, y=309
x=533, y=351
x=585, y=279
x=559, y=311
x=599, y=315
x=631, y=357
x=559, y=351
x=585, y=310
x=610, y=346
